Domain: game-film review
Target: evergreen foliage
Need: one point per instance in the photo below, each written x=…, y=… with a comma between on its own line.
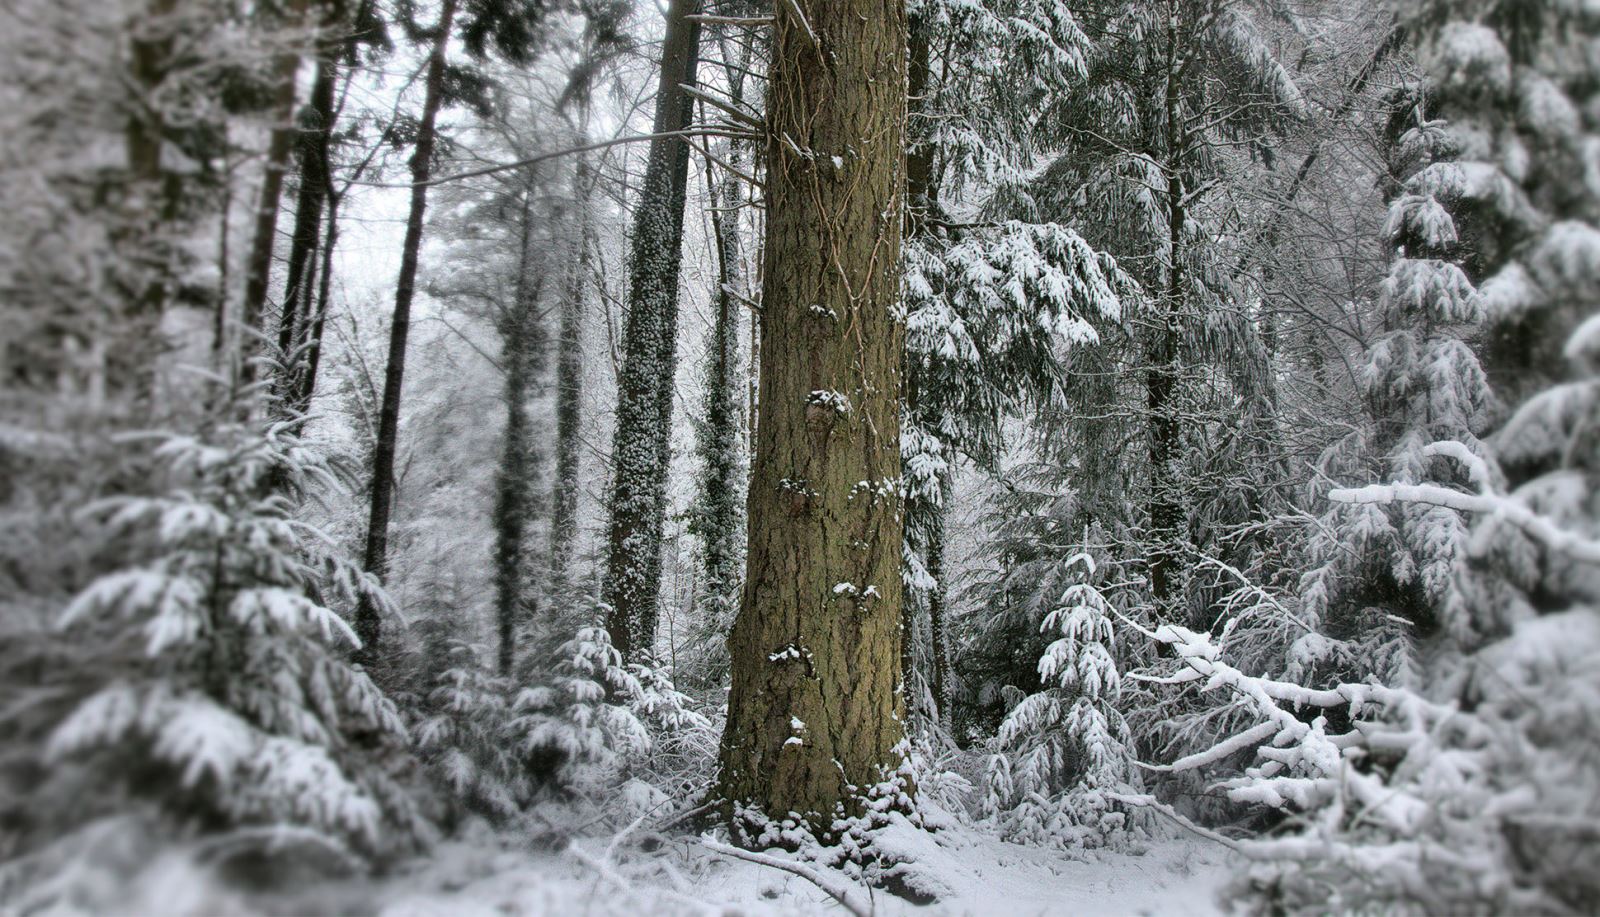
x=1064, y=753
x=223, y=690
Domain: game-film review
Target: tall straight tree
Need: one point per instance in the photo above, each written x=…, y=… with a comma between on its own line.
x=516, y=503
x=815, y=713
x=314, y=157
x=717, y=517
x=280, y=143
x=382, y=491
x=569, y=384
x=643, y=442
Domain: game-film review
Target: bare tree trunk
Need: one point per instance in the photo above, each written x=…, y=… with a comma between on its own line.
x=315, y=141
x=719, y=502
x=1161, y=357
x=368, y=626
x=719, y=498
x=921, y=515
x=569, y=391
x=258, y=270
x=306, y=385
x=937, y=624
x=519, y=462
x=643, y=440
x=815, y=713
x=144, y=276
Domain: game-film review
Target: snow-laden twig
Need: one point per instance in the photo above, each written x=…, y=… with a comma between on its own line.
x=805, y=23
x=1247, y=585
x=1146, y=801
x=1250, y=738
x=274, y=838
x=611, y=848
x=848, y=897
x=678, y=818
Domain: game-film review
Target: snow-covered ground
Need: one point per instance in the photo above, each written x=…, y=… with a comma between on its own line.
x=498, y=874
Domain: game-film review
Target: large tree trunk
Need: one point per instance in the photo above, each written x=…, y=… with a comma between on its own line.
x=643, y=441
x=569, y=390
x=815, y=713
x=377, y=553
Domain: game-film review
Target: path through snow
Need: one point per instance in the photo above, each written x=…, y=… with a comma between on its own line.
x=491, y=874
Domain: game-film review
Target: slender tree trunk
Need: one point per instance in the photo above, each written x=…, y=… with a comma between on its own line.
x=924, y=517
x=377, y=554
x=937, y=624
x=720, y=501
x=306, y=384
x=643, y=440
x=148, y=203
x=815, y=716
x=719, y=504
x=519, y=462
x=280, y=142
x=315, y=143
x=1161, y=358
x=569, y=391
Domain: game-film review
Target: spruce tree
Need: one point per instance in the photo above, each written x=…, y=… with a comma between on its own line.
x=991, y=305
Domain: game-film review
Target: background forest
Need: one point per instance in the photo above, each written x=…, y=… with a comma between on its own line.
x=1095, y=456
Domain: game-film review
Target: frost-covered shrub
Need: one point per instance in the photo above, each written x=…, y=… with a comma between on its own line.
x=597, y=720
x=221, y=687
x=462, y=735
x=1395, y=799
x=1063, y=754
x=590, y=725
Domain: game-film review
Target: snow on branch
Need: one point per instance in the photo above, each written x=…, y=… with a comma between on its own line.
x=1486, y=502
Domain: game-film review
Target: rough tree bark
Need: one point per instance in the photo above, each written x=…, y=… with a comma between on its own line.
x=815, y=713
x=368, y=626
x=642, y=445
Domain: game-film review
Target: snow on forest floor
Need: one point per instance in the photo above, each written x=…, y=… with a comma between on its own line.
x=497, y=874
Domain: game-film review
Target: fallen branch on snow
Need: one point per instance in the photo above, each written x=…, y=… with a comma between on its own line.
x=848, y=897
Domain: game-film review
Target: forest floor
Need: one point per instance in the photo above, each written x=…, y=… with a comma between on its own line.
x=488, y=873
